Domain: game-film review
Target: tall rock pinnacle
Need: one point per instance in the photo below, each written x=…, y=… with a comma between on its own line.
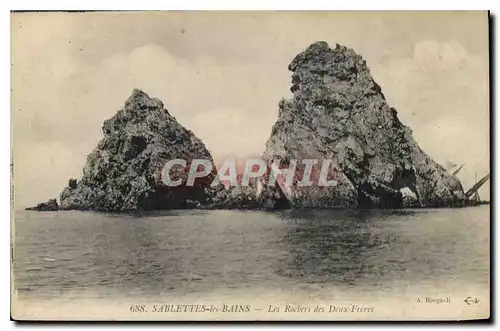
x=339, y=112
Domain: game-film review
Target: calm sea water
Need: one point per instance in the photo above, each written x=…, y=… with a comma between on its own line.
x=177, y=253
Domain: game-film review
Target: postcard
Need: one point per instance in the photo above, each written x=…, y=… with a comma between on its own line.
x=250, y=166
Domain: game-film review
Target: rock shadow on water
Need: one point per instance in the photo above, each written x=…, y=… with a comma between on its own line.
x=336, y=246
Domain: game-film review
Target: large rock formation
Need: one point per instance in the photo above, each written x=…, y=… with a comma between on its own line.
x=339, y=112
x=124, y=170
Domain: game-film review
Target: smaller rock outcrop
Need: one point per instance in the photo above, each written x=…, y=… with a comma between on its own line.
x=236, y=197
x=50, y=205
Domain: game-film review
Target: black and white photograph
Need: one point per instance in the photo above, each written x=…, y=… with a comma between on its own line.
x=250, y=165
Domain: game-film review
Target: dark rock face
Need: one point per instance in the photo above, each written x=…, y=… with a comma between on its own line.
x=124, y=170
x=339, y=112
x=50, y=205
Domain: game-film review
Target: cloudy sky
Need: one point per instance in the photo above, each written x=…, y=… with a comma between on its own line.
x=222, y=74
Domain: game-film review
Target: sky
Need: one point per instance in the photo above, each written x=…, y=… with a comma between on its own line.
x=222, y=75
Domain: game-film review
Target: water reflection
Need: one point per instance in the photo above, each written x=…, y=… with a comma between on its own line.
x=201, y=252
x=339, y=246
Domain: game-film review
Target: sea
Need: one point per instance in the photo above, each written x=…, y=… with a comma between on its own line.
x=394, y=264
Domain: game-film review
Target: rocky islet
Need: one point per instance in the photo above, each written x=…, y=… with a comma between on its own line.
x=337, y=112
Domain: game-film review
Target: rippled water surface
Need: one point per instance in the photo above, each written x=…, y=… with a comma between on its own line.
x=89, y=255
